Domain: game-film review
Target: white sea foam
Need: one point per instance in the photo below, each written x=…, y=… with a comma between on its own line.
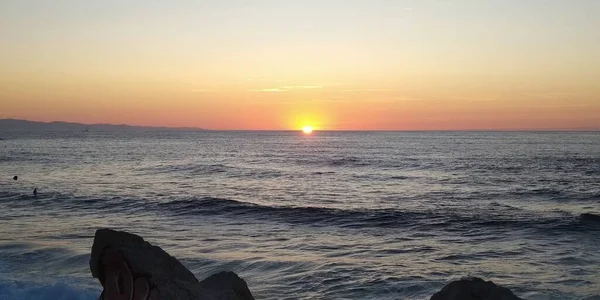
x=19, y=290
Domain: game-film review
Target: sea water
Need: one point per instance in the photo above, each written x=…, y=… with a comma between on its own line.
x=331, y=215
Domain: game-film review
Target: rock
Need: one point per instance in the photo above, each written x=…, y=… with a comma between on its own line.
x=162, y=276
x=162, y=271
x=474, y=289
x=225, y=282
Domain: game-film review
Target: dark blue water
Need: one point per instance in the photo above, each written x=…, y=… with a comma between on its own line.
x=333, y=215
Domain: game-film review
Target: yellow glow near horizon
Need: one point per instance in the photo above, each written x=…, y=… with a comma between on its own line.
x=307, y=129
x=363, y=65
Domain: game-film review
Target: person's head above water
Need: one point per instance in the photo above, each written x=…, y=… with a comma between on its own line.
x=16, y=177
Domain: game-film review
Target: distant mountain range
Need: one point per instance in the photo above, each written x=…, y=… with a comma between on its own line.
x=32, y=126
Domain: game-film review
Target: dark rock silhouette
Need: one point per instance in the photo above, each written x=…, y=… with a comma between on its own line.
x=12, y=125
x=16, y=177
x=166, y=277
x=130, y=268
x=474, y=289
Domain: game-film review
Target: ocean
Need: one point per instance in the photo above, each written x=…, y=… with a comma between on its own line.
x=332, y=215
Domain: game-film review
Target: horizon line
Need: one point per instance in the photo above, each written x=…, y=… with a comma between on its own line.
x=326, y=130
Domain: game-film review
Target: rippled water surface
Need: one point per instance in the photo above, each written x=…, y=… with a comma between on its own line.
x=333, y=215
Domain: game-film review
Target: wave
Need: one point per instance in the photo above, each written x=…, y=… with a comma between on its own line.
x=588, y=217
x=592, y=197
x=194, y=169
x=489, y=215
x=384, y=218
x=348, y=161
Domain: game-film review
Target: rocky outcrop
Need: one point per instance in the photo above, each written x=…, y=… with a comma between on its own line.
x=130, y=268
x=161, y=273
x=474, y=289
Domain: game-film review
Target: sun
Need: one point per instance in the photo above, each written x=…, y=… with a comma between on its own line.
x=307, y=129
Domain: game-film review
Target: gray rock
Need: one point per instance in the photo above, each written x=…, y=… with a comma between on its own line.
x=166, y=273
x=474, y=289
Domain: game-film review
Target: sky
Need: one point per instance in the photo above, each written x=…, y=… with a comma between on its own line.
x=283, y=64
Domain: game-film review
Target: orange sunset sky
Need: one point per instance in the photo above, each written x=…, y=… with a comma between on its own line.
x=281, y=64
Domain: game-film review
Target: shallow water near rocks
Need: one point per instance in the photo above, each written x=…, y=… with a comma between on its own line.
x=332, y=215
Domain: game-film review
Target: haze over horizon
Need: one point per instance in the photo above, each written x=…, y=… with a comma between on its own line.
x=42, y=125
x=333, y=65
